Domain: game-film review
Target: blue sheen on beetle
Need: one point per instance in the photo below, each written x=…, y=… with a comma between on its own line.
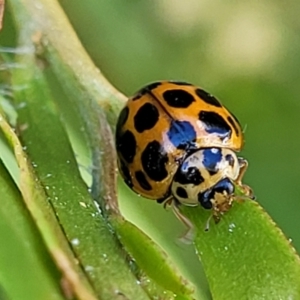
x=211, y=157
x=182, y=134
x=224, y=185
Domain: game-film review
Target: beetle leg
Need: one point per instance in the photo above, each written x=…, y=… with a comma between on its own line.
x=189, y=235
x=243, y=167
x=168, y=201
x=246, y=189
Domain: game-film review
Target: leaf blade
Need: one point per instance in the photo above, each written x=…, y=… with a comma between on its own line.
x=245, y=253
x=23, y=249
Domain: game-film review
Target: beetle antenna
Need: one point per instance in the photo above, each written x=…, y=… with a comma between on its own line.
x=206, y=228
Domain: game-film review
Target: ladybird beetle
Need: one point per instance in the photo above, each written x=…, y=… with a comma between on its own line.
x=177, y=143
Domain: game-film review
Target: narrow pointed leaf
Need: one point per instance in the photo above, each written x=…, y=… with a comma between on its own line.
x=239, y=254
x=48, y=147
x=37, y=202
x=96, y=126
x=22, y=248
x=150, y=258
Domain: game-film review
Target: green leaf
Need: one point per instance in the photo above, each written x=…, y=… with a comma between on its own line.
x=23, y=249
x=50, y=152
x=37, y=203
x=150, y=258
x=245, y=255
x=48, y=147
x=42, y=130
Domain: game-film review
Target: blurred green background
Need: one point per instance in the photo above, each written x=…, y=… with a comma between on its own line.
x=247, y=53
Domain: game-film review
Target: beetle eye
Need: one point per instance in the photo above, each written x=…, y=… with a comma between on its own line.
x=204, y=199
x=224, y=186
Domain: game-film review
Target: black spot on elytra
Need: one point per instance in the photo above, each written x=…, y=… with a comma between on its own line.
x=188, y=175
x=148, y=88
x=154, y=160
x=126, y=174
x=179, y=82
x=233, y=124
x=181, y=192
x=230, y=159
x=146, y=117
x=237, y=121
x=182, y=135
x=141, y=179
x=208, y=98
x=211, y=157
x=126, y=146
x=214, y=123
x=152, y=86
x=123, y=116
x=136, y=97
x=178, y=98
